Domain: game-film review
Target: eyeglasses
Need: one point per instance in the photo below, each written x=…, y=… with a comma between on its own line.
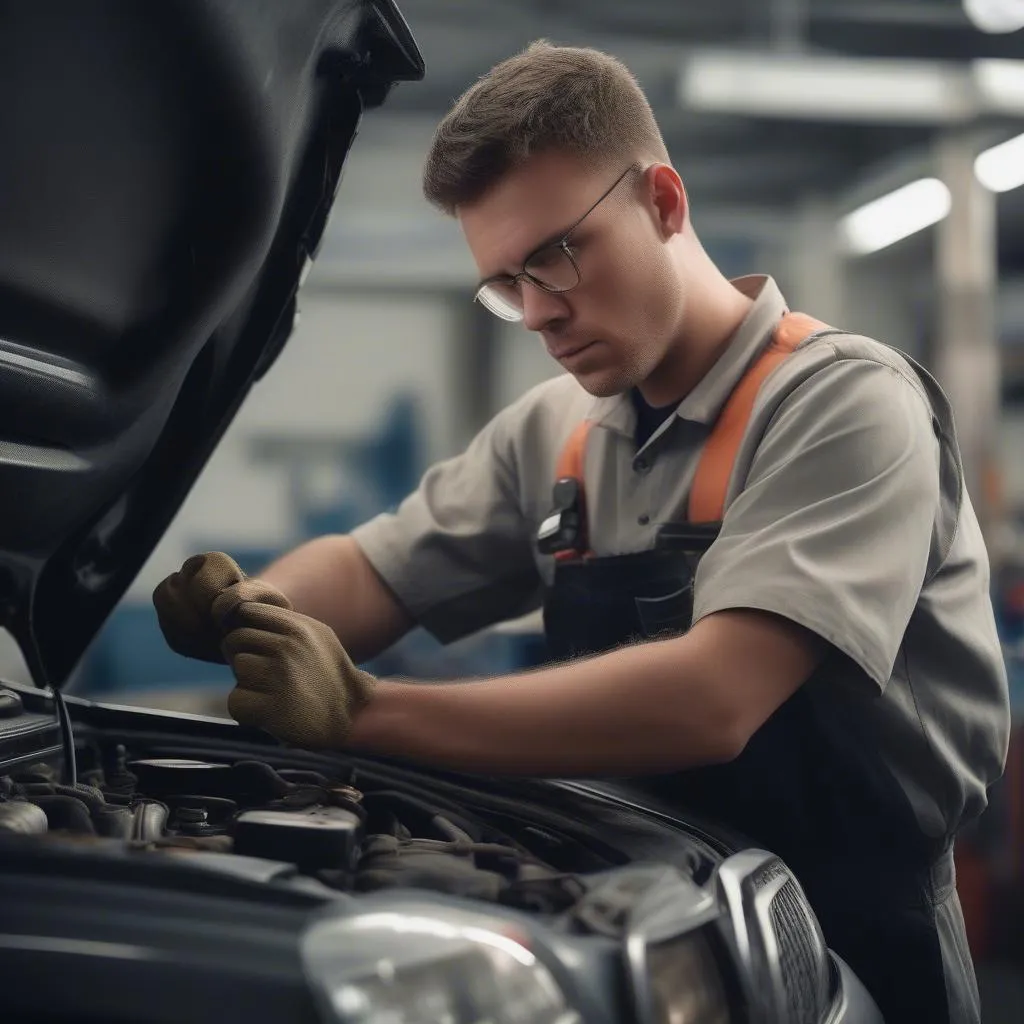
x=552, y=267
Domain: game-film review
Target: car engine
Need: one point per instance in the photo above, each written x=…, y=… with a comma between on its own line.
x=349, y=837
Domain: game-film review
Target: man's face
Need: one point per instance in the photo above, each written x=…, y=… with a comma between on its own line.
x=614, y=328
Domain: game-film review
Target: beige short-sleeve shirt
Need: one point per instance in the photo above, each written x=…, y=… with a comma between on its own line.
x=845, y=513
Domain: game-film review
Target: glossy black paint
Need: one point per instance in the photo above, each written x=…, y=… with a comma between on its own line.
x=168, y=171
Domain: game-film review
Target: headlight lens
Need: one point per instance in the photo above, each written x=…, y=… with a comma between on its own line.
x=394, y=967
x=684, y=982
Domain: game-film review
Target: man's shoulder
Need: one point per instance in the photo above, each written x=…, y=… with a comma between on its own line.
x=848, y=346
x=826, y=362
x=849, y=390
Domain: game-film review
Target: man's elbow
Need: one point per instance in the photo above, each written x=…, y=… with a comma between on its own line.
x=735, y=727
x=733, y=737
x=731, y=720
x=720, y=737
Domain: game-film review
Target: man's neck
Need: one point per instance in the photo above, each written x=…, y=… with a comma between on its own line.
x=711, y=322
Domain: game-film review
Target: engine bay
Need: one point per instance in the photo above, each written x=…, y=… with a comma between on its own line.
x=328, y=829
x=151, y=840
x=350, y=834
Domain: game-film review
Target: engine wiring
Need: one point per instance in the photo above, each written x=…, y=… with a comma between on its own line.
x=67, y=736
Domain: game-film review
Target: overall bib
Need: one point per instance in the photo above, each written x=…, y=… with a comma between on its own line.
x=883, y=891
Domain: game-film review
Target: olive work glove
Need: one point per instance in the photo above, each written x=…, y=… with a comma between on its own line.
x=293, y=677
x=184, y=603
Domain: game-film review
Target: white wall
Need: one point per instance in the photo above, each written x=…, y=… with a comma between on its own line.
x=522, y=362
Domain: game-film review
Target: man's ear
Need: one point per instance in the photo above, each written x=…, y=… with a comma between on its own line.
x=670, y=203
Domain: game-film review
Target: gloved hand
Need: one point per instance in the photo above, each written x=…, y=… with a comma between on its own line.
x=184, y=603
x=293, y=677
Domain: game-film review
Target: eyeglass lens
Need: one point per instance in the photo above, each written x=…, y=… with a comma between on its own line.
x=550, y=268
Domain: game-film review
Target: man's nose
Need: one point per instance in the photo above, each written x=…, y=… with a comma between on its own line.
x=542, y=309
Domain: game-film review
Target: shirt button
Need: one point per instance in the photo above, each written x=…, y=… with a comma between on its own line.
x=642, y=464
x=644, y=519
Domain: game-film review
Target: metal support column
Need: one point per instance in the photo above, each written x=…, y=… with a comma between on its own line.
x=475, y=366
x=967, y=346
x=816, y=268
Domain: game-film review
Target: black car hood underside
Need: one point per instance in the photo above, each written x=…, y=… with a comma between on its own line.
x=167, y=172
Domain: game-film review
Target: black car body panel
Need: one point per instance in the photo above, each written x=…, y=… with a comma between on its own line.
x=168, y=172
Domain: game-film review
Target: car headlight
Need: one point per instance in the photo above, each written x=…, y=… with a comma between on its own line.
x=685, y=983
x=414, y=965
x=675, y=974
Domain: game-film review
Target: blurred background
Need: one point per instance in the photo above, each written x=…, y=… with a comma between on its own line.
x=869, y=154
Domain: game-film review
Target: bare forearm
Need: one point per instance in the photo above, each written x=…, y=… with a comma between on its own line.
x=638, y=710
x=666, y=706
x=330, y=579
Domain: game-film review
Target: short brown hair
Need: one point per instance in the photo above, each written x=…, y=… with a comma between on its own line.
x=564, y=98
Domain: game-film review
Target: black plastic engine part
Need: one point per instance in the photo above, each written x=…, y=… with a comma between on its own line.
x=194, y=814
x=167, y=776
x=113, y=777
x=317, y=839
x=66, y=814
x=250, y=784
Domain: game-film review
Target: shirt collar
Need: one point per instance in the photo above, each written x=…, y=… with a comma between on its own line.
x=705, y=401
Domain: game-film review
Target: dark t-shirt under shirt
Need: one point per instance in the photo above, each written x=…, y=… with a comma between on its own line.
x=649, y=417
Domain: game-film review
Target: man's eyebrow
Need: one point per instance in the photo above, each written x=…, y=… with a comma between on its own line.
x=551, y=240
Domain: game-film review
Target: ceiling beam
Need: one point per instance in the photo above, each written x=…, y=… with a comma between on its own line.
x=915, y=13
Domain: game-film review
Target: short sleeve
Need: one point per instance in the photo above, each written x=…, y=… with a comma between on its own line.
x=458, y=552
x=834, y=526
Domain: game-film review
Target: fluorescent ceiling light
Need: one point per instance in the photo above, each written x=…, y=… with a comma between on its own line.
x=869, y=90
x=1000, y=84
x=1002, y=167
x=827, y=88
x=922, y=203
x=895, y=216
x=995, y=15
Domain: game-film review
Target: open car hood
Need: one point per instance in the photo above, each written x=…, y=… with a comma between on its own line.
x=167, y=171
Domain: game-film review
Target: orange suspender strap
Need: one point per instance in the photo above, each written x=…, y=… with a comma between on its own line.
x=711, y=481
x=707, y=496
x=570, y=464
x=570, y=461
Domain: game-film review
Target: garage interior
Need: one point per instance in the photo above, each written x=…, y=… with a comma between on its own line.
x=868, y=154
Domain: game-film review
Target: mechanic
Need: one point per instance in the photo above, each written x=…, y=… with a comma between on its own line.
x=764, y=586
